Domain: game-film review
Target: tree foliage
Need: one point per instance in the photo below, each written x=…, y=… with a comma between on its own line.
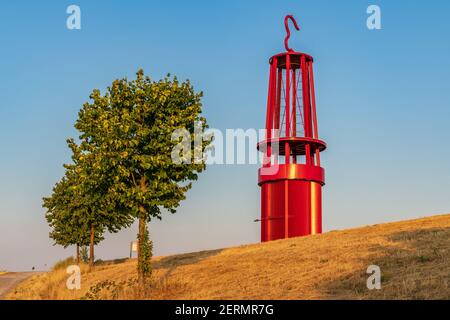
x=129, y=129
x=122, y=167
x=79, y=210
x=65, y=216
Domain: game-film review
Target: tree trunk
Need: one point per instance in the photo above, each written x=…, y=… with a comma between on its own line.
x=91, y=247
x=78, y=254
x=141, y=237
x=141, y=275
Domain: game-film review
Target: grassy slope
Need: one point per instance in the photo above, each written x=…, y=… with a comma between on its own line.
x=414, y=257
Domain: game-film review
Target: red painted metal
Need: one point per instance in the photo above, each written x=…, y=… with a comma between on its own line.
x=291, y=178
x=288, y=32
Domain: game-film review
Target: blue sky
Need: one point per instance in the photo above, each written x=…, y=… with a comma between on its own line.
x=383, y=106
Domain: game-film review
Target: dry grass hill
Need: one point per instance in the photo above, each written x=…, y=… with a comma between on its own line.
x=414, y=257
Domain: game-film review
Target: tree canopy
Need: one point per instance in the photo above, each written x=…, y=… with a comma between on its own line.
x=122, y=167
x=131, y=127
x=79, y=210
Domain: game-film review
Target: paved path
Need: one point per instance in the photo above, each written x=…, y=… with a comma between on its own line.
x=10, y=280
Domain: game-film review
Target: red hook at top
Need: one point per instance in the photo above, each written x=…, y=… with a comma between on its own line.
x=286, y=24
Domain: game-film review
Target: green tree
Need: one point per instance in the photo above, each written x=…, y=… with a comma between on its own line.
x=79, y=210
x=84, y=254
x=66, y=221
x=129, y=129
x=93, y=193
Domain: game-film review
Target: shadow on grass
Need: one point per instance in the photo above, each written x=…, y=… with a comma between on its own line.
x=172, y=262
x=415, y=266
x=178, y=260
x=110, y=262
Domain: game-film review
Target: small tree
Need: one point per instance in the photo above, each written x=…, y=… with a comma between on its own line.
x=84, y=254
x=130, y=130
x=79, y=209
x=66, y=220
x=93, y=193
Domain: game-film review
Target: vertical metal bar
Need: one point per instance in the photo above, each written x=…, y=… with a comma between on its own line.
x=314, y=112
x=273, y=71
x=268, y=97
x=278, y=100
x=287, y=147
x=286, y=209
x=306, y=99
x=316, y=208
x=263, y=213
x=294, y=105
x=277, y=111
x=288, y=107
x=294, y=110
x=308, y=154
x=306, y=108
x=313, y=98
x=269, y=114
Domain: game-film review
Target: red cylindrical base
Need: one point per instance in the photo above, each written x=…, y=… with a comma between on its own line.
x=290, y=208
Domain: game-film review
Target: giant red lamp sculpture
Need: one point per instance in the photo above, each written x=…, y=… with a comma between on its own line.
x=291, y=177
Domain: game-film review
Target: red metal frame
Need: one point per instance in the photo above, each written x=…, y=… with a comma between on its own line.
x=291, y=179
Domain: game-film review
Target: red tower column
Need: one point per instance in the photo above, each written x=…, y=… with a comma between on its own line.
x=291, y=178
